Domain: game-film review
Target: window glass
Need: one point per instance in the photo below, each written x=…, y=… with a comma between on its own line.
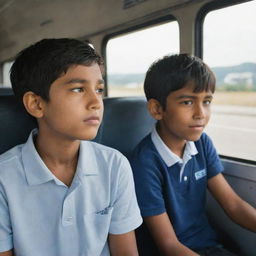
x=6, y=74
x=129, y=56
x=229, y=49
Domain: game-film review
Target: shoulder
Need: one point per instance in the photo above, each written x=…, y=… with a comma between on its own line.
x=11, y=166
x=205, y=142
x=144, y=150
x=146, y=154
x=209, y=155
x=14, y=156
x=11, y=155
x=104, y=157
x=146, y=161
x=110, y=164
x=102, y=151
x=204, y=138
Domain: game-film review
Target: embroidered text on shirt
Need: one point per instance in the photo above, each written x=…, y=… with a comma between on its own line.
x=104, y=211
x=200, y=174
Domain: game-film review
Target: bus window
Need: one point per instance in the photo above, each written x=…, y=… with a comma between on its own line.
x=129, y=56
x=6, y=74
x=229, y=49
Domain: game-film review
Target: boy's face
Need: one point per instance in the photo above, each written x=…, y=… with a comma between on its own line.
x=186, y=115
x=75, y=108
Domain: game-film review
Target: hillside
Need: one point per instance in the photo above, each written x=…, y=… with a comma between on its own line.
x=239, y=77
x=243, y=74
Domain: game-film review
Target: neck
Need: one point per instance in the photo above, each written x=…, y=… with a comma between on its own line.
x=60, y=156
x=175, y=144
x=56, y=150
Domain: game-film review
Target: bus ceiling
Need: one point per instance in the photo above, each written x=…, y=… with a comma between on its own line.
x=25, y=22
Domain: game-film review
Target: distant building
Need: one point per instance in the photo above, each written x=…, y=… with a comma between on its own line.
x=245, y=78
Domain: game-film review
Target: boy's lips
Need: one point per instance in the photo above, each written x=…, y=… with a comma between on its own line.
x=197, y=127
x=92, y=120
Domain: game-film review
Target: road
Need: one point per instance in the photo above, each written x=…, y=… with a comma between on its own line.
x=233, y=131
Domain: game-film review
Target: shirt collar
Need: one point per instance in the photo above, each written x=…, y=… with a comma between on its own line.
x=167, y=155
x=87, y=163
x=37, y=172
x=35, y=169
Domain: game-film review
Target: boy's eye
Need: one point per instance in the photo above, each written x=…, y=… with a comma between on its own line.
x=207, y=102
x=77, y=90
x=100, y=90
x=187, y=102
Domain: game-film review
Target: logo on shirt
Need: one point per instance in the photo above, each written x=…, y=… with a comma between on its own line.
x=200, y=174
x=104, y=211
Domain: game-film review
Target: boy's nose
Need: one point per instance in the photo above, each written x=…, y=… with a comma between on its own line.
x=94, y=101
x=199, y=112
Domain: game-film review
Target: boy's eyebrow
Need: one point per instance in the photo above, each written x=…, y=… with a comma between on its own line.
x=82, y=81
x=192, y=96
x=186, y=96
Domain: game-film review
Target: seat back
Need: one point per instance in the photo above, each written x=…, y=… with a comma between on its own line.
x=126, y=121
x=6, y=91
x=15, y=123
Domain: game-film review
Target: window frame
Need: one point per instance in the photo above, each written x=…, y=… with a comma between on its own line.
x=2, y=76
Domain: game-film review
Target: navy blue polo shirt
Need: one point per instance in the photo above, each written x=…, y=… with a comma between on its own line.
x=177, y=186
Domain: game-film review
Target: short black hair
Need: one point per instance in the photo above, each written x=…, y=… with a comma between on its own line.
x=172, y=73
x=39, y=65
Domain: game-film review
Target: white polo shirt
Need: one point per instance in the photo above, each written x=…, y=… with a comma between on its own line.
x=40, y=215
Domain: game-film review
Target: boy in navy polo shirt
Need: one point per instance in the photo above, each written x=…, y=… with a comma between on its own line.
x=175, y=164
x=60, y=194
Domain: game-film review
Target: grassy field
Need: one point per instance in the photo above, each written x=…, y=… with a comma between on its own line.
x=220, y=98
x=235, y=98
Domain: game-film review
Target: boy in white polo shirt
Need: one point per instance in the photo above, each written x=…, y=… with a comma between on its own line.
x=61, y=195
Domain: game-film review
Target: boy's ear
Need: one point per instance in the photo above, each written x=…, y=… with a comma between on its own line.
x=33, y=104
x=155, y=109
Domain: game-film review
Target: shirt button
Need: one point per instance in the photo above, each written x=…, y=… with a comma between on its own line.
x=69, y=219
x=185, y=178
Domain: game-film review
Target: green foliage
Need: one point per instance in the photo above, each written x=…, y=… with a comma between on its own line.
x=236, y=88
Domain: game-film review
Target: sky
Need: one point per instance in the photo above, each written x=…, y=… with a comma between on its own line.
x=229, y=39
x=133, y=53
x=230, y=35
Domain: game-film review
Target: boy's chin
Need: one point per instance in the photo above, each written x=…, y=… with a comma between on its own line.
x=89, y=137
x=194, y=137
